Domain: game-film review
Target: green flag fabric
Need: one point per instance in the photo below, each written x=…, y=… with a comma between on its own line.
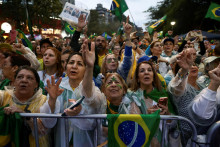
x=24, y=39
x=213, y=11
x=69, y=28
x=10, y=127
x=156, y=95
x=132, y=129
x=156, y=25
x=118, y=7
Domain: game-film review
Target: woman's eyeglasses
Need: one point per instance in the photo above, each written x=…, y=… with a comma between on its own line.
x=109, y=60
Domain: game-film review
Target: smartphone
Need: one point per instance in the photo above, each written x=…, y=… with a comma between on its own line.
x=163, y=101
x=213, y=46
x=78, y=102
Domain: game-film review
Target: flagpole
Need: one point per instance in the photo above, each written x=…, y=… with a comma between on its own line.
x=132, y=17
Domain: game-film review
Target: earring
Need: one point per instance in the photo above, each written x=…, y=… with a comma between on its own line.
x=36, y=89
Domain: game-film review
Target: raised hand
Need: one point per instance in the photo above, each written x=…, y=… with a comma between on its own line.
x=19, y=47
x=88, y=56
x=215, y=75
x=127, y=27
x=81, y=22
x=189, y=35
x=53, y=88
x=199, y=35
x=155, y=38
x=185, y=60
x=176, y=39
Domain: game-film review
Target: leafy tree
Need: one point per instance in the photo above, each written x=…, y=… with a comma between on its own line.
x=40, y=12
x=188, y=15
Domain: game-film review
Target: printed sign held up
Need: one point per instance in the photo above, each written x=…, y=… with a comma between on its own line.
x=71, y=13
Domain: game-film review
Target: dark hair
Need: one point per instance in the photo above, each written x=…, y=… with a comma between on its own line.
x=72, y=54
x=18, y=60
x=29, y=69
x=66, y=52
x=46, y=41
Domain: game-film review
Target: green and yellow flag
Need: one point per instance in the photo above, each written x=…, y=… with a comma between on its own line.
x=24, y=39
x=213, y=11
x=157, y=24
x=10, y=128
x=118, y=7
x=132, y=129
x=69, y=28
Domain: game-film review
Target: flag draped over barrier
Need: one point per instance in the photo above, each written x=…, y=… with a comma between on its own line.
x=118, y=7
x=213, y=11
x=132, y=129
x=156, y=25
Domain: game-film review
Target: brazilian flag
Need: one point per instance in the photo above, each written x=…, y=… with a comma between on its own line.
x=69, y=28
x=156, y=25
x=132, y=129
x=118, y=7
x=24, y=39
x=213, y=11
x=10, y=128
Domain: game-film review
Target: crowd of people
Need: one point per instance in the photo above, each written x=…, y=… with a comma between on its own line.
x=128, y=74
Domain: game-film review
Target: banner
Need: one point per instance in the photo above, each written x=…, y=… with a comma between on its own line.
x=157, y=24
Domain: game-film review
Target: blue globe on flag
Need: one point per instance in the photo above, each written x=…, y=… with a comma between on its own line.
x=131, y=133
x=217, y=12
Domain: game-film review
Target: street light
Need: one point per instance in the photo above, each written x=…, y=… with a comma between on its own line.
x=172, y=24
x=6, y=27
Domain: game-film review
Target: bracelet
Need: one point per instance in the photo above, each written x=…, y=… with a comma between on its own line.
x=182, y=76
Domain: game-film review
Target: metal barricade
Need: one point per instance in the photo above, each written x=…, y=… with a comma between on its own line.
x=212, y=136
x=163, y=118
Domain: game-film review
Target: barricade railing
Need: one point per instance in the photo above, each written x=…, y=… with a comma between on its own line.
x=213, y=134
x=163, y=118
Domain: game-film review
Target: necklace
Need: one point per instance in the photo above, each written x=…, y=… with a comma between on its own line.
x=111, y=109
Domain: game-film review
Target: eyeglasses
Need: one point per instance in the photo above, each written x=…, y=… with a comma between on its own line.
x=168, y=44
x=158, y=45
x=109, y=60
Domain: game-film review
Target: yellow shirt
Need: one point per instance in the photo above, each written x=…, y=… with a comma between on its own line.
x=100, y=59
x=41, y=64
